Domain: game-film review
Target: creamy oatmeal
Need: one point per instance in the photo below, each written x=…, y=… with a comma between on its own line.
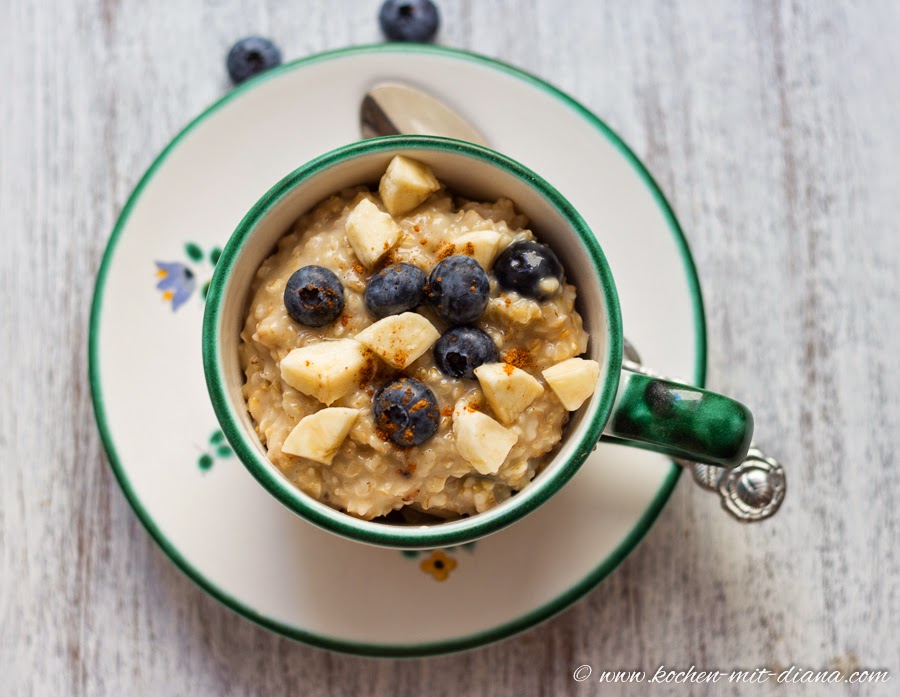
x=441, y=388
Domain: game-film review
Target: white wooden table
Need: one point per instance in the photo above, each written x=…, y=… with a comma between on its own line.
x=772, y=126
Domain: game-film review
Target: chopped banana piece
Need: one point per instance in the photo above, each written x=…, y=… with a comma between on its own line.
x=482, y=245
x=327, y=370
x=573, y=380
x=508, y=390
x=319, y=436
x=480, y=440
x=399, y=339
x=371, y=232
x=406, y=184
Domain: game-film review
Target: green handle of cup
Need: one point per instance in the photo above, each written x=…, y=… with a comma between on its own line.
x=681, y=421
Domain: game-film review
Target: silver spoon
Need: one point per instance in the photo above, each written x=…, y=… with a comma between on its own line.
x=750, y=492
x=392, y=108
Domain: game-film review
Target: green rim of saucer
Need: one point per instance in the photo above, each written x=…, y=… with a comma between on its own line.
x=505, y=630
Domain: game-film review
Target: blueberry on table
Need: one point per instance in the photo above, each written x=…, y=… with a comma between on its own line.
x=458, y=289
x=409, y=20
x=406, y=412
x=529, y=268
x=462, y=349
x=395, y=289
x=314, y=296
x=251, y=56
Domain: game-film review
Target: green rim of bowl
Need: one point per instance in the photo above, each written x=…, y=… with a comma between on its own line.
x=452, y=533
x=463, y=643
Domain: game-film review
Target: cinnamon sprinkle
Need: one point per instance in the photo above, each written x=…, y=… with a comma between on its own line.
x=448, y=250
x=520, y=358
x=367, y=373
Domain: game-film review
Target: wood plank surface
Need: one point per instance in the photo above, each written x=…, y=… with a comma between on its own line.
x=773, y=128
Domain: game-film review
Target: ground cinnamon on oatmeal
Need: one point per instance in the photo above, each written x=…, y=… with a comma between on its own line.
x=448, y=250
x=520, y=358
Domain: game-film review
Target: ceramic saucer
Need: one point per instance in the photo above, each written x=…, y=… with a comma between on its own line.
x=197, y=500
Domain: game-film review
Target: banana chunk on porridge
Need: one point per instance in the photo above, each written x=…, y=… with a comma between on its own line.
x=409, y=352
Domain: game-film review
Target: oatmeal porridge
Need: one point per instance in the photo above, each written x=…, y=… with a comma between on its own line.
x=406, y=350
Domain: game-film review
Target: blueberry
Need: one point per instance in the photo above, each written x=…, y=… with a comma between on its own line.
x=529, y=268
x=409, y=20
x=458, y=289
x=395, y=289
x=251, y=56
x=406, y=412
x=462, y=349
x=314, y=296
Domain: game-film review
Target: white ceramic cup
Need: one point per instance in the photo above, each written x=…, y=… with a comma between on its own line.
x=679, y=420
